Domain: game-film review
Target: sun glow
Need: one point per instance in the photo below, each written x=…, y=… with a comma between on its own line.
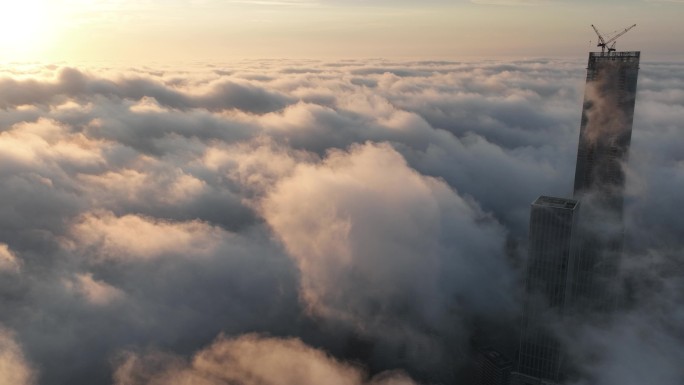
x=25, y=28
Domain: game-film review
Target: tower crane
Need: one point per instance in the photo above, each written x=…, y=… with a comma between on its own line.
x=605, y=43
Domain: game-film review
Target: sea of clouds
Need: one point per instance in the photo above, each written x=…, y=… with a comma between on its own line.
x=352, y=222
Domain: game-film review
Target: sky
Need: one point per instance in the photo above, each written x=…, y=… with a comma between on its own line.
x=303, y=193
x=186, y=30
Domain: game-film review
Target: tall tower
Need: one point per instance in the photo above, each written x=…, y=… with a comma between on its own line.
x=605, y=135
x=573, y=259
x=606, y=127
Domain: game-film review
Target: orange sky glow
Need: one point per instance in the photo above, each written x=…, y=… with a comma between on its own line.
x=187, y=30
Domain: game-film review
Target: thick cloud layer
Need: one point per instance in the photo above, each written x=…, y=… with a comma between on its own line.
x=388, y=252
x=353, y=214
x=248, y=360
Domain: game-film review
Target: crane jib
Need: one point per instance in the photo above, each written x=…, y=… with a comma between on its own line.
x=603, y=43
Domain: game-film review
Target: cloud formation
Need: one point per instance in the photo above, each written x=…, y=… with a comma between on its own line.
x=372, y=213
x=249, y=360
x=133, y=237
x=387, y=251
x=8, y=261
x=13, y=366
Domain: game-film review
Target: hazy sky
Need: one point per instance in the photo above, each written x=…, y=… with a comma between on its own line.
x=155, y=30
x=205, y=214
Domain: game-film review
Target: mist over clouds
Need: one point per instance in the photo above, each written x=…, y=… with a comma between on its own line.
x=281, y=222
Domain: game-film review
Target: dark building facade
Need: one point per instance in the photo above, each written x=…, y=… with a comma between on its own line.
x=573, y=259
x=492, y=368
x=605, y=136
x=553, y=248
x=606, y=127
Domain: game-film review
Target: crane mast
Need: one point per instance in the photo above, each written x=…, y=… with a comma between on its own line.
x=605, y=44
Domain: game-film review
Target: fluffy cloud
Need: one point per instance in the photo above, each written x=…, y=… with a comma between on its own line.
x=13, y=366
x=133, y=237
x=94, y=291
x=387, y=251
x=376, y=211
x=8, y=261
x=248, y=360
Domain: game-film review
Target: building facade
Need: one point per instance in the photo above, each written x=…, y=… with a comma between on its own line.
x=606, y=127
x=553, y=249
x=492, y=368
x=573, y=260
x=605, y=136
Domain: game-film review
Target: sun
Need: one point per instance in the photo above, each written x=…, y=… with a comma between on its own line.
x=24, y=27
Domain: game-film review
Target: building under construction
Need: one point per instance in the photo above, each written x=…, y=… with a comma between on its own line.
x=574, y=254
x=605, y=135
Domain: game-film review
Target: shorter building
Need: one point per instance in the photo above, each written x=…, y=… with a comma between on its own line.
x=553, y=248
x=492, y=368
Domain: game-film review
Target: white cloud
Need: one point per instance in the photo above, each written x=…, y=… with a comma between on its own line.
x=132, y=237
x=248, y=360
x=161, y=206
x=8, y=260
x=384, y=250
x=96, y=292
x=14, y=369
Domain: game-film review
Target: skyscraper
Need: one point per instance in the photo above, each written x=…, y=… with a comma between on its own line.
x=605, y=136
x=573, y=259
x=606, y=127
x=548, y=285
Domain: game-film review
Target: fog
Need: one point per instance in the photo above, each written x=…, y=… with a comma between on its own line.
x=282, y=222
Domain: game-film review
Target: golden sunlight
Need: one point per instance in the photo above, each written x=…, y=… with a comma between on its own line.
x=24, y=28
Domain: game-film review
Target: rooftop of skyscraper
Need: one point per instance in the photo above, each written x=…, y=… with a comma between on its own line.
x=562, y=203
